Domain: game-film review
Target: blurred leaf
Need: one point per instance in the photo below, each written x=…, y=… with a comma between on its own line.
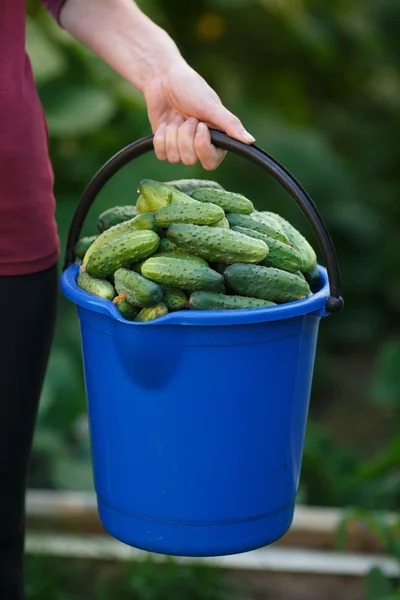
x=77, y=110
x=48, y=61
x=377, y=586
x=385, y=388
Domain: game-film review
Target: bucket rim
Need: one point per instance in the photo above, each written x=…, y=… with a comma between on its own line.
x=313, y=305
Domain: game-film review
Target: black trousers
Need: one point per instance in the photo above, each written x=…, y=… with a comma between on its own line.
x=27, y=315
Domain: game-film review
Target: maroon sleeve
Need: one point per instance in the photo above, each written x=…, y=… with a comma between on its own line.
x=54, y=7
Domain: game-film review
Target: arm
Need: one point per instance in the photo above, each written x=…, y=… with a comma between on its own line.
x=179, y=102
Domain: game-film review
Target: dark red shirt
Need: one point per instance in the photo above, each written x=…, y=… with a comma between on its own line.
x=28, y=232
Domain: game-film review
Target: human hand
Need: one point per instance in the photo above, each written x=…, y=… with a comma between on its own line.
x=181, y=106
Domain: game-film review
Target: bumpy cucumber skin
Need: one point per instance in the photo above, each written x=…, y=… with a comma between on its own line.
x=152, y=312
x=174, y=299
x=222, y=224
x=142, y=205
x=139, y=223
x=182, y=254
x=267, y=283
x=126, y=249
x=300, y=243
x=82, y=245
x=138, y=290
x=196, y=214
x=127, y=310
x=183, y=274
x=179, y=253
x=157, y=195
x=228, y=201
x=187, y=186
x=115, y=215
x=217, y=245
x=282, y=256
x=257, y=224
x=97, y=287
x=213, y=301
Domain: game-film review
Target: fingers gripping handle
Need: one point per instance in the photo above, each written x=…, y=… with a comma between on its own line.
x=253, y=154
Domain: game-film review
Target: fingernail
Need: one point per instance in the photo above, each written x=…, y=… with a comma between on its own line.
x=202, y=128
x=247, y=137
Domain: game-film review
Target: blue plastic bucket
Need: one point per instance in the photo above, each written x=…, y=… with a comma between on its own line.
x=197, y=420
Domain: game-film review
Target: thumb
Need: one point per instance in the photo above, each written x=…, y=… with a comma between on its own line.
x=221, y=118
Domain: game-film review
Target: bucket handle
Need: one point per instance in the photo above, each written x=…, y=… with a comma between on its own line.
x=252, y=153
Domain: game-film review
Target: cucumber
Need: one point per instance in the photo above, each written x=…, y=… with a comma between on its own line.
x=228, y=201
x=167, y=246
x=126, y=309
x=121, y=252
x=179, y=253
x=174, y=299
x=183, y=274
x=187, y=186
x=300, y=243
x=138, y=290
x=138, y=223
x=267, y=283
x=115, y=215
x=282, y=256
x=196, y=213
x=257, y=224
x=222, y=224
x=213, y=301
x=217, y=245
x=312, y=276
x=142, y=206
x=97, y=287
x=82, y=245
x=156, y=195
x=152, y=312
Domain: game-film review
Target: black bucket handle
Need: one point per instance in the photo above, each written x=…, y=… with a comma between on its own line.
x=252, y=153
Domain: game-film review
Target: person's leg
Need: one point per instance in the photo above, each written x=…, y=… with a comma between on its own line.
x=27, y=315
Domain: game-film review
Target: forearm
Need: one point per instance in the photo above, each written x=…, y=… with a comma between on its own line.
x=124, y=37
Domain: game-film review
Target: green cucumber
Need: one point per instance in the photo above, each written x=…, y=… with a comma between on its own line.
x=183, y=254
x=196, y=213
x=97, y=287
x=228, y=201
x=127, y=310
x=300, y=243
x=141, y=222
x=282, y=256
x=267, y=283
x=156, y=195
x=257, y=224
x=183, y=274
x=174, y=299
x=142, y=206
x=213, y=301
x=121, y=252
x=82, y=245
x=152, y=312
x=167, y=246
x=138, y=290
x=312, y=276
x=179, y=253
x=187, y=186
x=217, y=245
x=222, y=224
x=115, y=215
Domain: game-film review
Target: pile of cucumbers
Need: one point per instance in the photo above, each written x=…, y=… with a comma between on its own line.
x=190, y=244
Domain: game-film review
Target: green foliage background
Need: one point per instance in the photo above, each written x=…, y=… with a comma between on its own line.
x=318, y=84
